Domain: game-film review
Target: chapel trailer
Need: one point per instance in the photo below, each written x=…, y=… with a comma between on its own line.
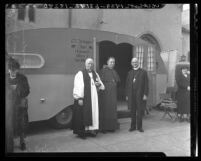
x=50, y=57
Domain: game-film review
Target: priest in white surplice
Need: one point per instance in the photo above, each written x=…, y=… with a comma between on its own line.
x=87, y=83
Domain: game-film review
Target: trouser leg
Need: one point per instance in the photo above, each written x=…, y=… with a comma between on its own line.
x=133, y=115
x=9, y=129
x=22, y=125
x=139, y=118
x=9, y=141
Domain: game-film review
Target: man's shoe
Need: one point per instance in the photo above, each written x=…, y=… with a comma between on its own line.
x=103, y=131
x=141, y=130
x=91, y=134
x=132, y=129
x=82, y=136
x=181, y=120
x=23, y=146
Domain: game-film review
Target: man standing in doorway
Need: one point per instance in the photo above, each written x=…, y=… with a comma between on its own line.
x=136, y=94
x=86, y=111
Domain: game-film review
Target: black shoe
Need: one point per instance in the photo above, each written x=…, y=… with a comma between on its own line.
x=140, y=130
x=132, y=129
x=91, y=134
x=82, y=136
x=103, y=131
x=23, y=146
x=181, y=120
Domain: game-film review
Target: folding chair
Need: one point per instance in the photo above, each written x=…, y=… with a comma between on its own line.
x=169, y=106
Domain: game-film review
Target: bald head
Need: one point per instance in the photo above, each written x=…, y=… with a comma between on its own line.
x=89, y=64
x=134, y=59
x=135, y=62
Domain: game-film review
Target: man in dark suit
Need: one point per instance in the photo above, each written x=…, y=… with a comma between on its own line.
x=136, y=94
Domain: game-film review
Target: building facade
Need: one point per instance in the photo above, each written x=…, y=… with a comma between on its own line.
x=161, y=27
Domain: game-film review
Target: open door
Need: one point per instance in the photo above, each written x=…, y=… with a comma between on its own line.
x=123, y=55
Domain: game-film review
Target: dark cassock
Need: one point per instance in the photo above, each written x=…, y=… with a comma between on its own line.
x=19, y=103
x=86, y=117
x=183, y=94
x=108, y=100
x=136, y=88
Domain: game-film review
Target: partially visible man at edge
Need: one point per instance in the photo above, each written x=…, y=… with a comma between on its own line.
x=19, y=86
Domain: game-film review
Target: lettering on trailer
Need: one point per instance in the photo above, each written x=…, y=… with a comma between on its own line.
x=82, y=49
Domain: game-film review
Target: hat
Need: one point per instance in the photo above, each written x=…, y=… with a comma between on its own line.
x=13, y=64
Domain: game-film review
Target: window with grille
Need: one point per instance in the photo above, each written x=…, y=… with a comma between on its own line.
x=140, y=54
x=21, y=14
x=31, y=14
x=150, y=59
x=28, y=60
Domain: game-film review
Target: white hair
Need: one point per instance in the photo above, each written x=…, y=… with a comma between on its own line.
x=134, y=59
x=88, y=60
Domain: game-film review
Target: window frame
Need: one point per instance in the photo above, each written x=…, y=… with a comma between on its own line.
x=140, y=55
x=150, y=58
x=29, y=54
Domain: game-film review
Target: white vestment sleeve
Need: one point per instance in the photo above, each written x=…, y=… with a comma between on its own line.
x=102, y=87
x=78, y=90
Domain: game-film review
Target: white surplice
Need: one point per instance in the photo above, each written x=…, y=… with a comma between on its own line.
x=78, y=92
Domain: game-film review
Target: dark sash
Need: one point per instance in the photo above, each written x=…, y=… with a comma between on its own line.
x=87, y=107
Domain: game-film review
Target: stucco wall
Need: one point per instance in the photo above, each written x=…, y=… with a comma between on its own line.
x=185, y=44
x=164, y=24
x=44, y=18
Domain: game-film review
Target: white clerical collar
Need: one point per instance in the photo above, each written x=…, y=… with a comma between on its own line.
x=136, y=68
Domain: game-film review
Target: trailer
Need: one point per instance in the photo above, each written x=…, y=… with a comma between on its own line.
x=50, y=58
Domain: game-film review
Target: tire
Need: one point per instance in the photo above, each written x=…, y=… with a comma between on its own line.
x=63, y=119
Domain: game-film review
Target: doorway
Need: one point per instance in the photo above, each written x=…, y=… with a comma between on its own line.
x=123, y=55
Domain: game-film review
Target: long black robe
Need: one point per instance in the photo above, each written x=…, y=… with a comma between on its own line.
x=135, y=90
x=108, y=97
x=183, y=95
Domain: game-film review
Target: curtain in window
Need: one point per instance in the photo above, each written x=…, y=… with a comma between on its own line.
x=150, y=59
x=139, y=55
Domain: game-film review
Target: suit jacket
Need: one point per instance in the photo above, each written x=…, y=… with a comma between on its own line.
x=137, y=89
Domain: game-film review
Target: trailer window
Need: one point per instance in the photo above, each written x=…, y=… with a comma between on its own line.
x=29, y=60
x=150, y=59
x=139, y=55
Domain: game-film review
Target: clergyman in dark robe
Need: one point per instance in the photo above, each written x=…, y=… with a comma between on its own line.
x=183, y=94
x=87, y=83
x=108, y=104
x=137, y=90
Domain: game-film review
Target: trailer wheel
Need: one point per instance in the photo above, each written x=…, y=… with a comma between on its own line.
x=63, y=119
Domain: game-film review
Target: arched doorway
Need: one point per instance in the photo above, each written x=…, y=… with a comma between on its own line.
x=122, y=54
